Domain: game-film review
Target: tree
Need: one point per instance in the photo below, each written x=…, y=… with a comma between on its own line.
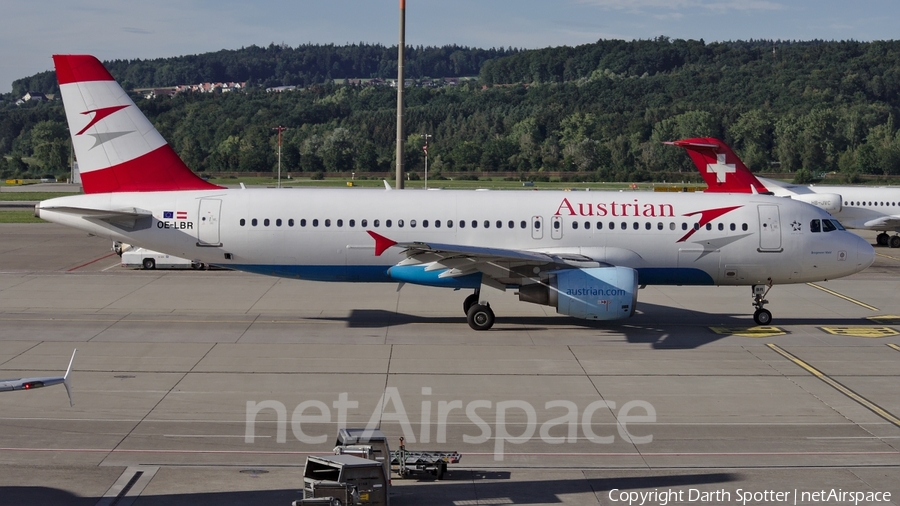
x=50, y=144
x=753, y=137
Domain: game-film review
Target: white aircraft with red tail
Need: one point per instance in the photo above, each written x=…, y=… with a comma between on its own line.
x=859, y=207
x=584, y=253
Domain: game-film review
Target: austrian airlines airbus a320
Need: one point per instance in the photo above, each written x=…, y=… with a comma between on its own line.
x=585, y=253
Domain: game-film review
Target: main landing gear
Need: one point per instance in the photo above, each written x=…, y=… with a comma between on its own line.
x=885, y=239
x=762, y=316
x=479, y=316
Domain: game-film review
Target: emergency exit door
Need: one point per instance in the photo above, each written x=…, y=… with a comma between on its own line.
x=208, y=222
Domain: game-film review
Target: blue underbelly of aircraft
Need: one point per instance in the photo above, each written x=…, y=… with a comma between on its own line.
x=417, y=275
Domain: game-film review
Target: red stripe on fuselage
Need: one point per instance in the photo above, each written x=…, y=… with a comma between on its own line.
x=73, y=68
x=158, y=170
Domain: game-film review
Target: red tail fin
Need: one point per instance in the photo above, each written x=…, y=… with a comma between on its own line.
x=117, y=148
x=722, y=170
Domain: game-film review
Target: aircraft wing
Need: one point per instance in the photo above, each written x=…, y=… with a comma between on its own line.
x=40, y=381
x=885, y=222
x=457, y=260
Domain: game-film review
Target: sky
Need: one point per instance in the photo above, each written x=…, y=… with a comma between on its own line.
x=117, y=29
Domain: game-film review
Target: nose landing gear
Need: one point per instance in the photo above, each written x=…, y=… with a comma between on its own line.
x=762, y=316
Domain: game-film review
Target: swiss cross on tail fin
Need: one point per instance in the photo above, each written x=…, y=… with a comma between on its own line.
x=722, y=170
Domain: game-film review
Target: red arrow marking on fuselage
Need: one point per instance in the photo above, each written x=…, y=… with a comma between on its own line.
x=706, y=217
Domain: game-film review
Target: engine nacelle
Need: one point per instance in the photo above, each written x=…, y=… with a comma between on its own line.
x=598, y=293
x=831, y=202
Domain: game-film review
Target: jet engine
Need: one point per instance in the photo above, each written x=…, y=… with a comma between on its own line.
x=597, y=293
x=831, y=202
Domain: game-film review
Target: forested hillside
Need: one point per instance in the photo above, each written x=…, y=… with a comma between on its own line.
x=599, y=110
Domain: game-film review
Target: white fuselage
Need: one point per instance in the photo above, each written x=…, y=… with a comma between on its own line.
x=321, y=234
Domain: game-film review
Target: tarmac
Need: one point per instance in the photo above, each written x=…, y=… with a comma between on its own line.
x=212, y=387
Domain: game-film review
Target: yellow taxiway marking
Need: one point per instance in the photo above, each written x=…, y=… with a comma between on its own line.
x=887, y=256
x=848, y=299
x=871, y=406
x=873, y=332
x=894, y=346
x=757, y=332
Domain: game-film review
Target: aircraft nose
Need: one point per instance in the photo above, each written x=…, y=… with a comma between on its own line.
x=865, y=253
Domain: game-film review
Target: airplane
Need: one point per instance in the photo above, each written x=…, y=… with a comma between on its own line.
x=40, y=382
x=584, y=253
x=857, y=207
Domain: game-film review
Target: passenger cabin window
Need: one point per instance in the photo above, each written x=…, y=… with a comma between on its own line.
x=522, y=224
x=278, y=222
x=253, y=222
x=363, y=223
x=243, y=222
x=266, y=222
x=387, y=223
x=315, y=222
x=291, y=222
x=340, y=223
x=352, y=223
x=303, y=222
x=328, y=222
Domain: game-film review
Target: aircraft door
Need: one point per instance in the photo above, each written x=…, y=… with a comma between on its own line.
x=556, y=230
x=208, y=222
x=537, y=227
x=769, y=228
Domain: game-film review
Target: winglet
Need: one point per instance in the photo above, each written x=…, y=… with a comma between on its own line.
x=66, y=379
x=387, y=186
x=382, y=243
x=722, y=170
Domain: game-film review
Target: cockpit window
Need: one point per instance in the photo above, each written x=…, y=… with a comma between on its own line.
x=838, y=224
x=815, y=226
x=828, y=226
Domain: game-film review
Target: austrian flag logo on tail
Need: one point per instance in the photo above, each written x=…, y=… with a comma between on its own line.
x=181, y=215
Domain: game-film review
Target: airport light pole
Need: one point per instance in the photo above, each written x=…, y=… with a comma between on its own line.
x=425, y=149
x=279, y=129
x=400, y=80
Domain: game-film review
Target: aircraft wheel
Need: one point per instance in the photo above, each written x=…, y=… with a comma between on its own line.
x=149, y=263
x=895, y=241
x=882, y=239
x=762, y=317
x=480, y=317
x=470, y=301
